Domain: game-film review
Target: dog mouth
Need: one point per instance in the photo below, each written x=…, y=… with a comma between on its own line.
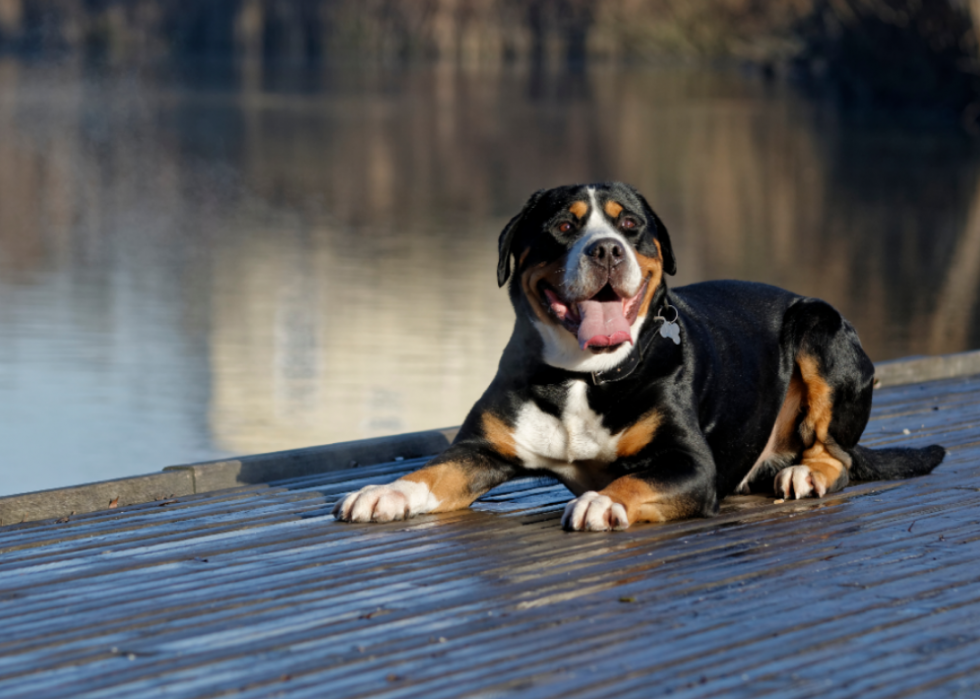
x=601, y=322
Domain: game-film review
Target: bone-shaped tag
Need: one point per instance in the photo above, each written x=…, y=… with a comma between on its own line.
x=671, y=330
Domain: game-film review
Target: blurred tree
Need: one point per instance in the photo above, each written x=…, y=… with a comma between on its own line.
x=892, y=53
x=918, y=53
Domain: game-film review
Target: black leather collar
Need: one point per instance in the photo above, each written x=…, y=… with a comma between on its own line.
x=547, y=374
x=628, y=365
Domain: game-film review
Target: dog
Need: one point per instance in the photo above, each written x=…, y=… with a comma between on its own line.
x=650, y=404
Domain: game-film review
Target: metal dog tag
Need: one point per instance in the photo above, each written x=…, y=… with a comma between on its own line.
x=671, y=330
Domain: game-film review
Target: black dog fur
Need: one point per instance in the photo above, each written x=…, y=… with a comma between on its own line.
x=765, y=390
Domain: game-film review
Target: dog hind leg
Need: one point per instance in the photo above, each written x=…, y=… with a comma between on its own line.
x=837, y=378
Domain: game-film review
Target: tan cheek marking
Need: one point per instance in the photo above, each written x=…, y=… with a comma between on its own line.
x=613, y=208
x=499, y=435
x=529, y=285
x=448, y=482
x=652, y=268
x=638, y=435
x=579, y=208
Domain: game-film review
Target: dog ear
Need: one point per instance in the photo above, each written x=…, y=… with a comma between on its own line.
x=507, y=238
x=670, y=264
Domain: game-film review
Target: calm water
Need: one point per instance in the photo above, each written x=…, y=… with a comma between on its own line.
x=208, y=262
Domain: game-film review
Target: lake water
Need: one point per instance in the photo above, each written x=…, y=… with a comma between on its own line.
x=212, y=260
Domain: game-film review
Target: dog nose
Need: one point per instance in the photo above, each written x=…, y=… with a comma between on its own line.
x=606, y=252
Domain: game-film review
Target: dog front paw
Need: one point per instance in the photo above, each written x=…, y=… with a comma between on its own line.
x=385, y=503
x=799, y=482
x=594, y=513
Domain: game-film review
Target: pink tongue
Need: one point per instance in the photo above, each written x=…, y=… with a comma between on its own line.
x=603, y=324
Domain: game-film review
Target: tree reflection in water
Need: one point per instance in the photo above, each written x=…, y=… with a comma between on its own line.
x=194, y=265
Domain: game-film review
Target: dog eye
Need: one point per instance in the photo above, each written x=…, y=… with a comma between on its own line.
x=565, y=226
x=627, y=224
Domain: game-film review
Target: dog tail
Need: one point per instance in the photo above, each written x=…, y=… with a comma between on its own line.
x=894, y=464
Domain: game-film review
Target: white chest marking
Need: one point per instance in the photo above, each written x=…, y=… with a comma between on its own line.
x=546, y=441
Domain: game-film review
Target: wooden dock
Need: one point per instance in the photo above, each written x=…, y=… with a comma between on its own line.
x=258, y=592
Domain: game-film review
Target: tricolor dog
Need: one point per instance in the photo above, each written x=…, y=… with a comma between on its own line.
x=650, y=404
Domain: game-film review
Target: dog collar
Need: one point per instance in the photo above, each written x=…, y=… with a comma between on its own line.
x=668, y=329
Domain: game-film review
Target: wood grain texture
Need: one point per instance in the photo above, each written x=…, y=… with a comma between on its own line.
x=257, y=592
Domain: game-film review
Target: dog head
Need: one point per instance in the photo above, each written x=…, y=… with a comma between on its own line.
x=588, y=260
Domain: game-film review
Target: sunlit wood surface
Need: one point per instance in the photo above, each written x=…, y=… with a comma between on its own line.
x=257, y=592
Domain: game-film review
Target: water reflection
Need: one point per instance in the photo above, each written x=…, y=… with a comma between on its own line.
x=201, y=263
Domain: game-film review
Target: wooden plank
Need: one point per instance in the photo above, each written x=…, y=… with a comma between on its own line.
x=921, y=369
x=61, y=502
x=258, y=591
x=296, y=463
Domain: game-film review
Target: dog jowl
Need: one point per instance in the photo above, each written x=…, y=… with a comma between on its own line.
x=649, y=403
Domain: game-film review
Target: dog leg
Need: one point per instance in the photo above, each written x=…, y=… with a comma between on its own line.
x=594, y=513
x=835, y=403
x=818, y=473
x=646, y=496
x=451, y=481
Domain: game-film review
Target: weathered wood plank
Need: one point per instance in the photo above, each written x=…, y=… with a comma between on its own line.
x=920, y=369
x=258, y=591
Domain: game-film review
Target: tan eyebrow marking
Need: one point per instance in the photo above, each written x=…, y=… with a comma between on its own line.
x=613, y=208
x=579, y=208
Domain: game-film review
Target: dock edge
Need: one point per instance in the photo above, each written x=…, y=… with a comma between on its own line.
x=255, y=469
